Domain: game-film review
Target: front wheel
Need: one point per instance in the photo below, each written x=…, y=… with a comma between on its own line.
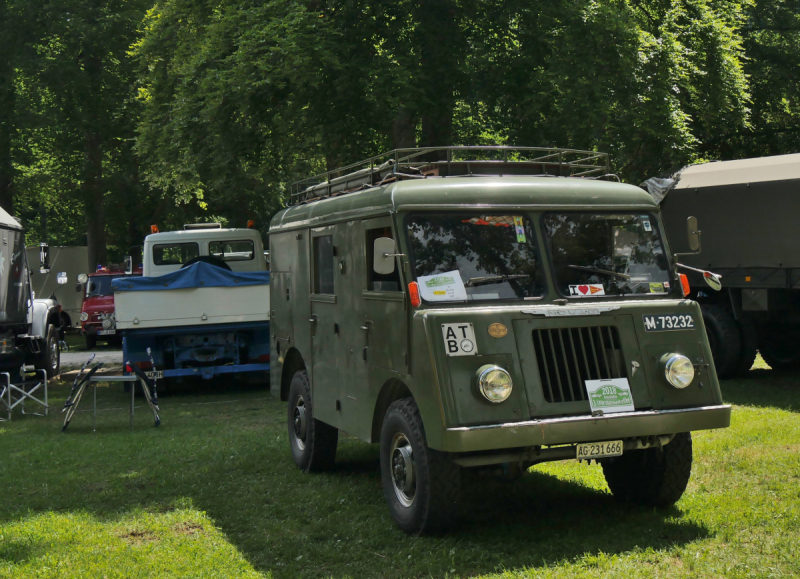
x=421, y=485
x=50, y=357
x=313, y=443
x=655, y=477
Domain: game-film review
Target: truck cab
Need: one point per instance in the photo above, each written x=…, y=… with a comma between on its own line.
x=98, y=318
x=465, y=311
x=238, y=249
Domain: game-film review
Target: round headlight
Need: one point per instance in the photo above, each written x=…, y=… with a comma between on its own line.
x=679, y=370
x=494, y=383
x=84, y=316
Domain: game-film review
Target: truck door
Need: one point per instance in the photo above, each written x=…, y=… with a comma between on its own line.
x=383, y=305
x=325, y=319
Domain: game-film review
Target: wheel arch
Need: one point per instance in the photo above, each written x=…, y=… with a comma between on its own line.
x=292, y=362
x=392, y=390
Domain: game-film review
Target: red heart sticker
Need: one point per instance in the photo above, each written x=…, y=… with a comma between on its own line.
x=584, y=289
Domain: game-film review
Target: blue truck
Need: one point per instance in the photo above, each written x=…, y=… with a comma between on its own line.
x=202, y=306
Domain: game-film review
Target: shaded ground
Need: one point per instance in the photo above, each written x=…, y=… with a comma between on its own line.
x=214, y=493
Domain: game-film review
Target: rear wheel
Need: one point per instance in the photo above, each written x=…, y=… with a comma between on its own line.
x=779, y=347
x=313, y=443
x=421, y=485
x=655, y=477
x=724, y=339
x=749, y=337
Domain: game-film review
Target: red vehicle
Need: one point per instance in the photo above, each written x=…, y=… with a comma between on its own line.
x=97, y=311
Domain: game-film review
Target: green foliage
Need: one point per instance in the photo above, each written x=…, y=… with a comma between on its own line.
x=185, y=109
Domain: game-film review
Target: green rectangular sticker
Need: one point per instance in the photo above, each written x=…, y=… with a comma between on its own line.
x=520, y=229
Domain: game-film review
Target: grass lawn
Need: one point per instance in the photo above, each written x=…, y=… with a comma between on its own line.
x=213, y=492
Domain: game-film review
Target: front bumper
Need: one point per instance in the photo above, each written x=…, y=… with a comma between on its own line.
x=573, y=429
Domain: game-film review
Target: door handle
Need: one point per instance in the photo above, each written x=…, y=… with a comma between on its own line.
x=366, y=327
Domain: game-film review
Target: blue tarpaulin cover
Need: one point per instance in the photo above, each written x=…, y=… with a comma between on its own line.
x=198, y=274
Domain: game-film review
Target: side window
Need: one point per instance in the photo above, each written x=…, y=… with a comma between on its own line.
x=323, y=265
x=376, y=281
x=232, y=250
x=175, y=253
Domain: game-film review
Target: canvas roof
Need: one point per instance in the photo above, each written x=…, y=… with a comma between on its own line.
x=758, y=170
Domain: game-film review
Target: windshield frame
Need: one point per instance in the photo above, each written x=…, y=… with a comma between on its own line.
x=656, y=217
x=476, y=211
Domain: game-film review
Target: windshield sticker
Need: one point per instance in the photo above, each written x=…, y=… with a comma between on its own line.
x=647, y=226
x=496, y=220
x=610, y=395
x=519, y=229
x=442, y=287
x=658, y=288
x=587, y=290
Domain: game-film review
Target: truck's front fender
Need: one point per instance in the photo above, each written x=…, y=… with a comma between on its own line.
x=42, y=311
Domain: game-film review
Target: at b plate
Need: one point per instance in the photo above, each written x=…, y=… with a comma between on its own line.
x=599, y=449
x=106, y=332
x=158, y=374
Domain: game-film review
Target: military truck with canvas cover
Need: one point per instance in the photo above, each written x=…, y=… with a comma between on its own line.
x=473, y=307
x=748, y=210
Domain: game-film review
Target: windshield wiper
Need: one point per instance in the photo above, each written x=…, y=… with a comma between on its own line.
x=473, y=281
x=624, y=276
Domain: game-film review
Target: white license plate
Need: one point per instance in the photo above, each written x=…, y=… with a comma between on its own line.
x=599, y=449
x=157, y=375
x=106, y=332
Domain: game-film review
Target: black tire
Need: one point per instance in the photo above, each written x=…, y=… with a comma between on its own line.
x=654, y=477
x=50, y=357
x=428, y=503
x=91, y=341
x=207, y=259
x=313, y=443
x=747, y=356
x=724, y=339
x=779, y=348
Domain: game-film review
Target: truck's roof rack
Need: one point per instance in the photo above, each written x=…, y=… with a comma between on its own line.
x=423, y=162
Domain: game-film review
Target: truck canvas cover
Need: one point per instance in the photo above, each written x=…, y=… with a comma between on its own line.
x=195, y=276
x=13, y=292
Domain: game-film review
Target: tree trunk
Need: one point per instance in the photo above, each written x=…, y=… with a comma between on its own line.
x=7, y=110
x=404, y=129
x=92, y=188
x=441, y=53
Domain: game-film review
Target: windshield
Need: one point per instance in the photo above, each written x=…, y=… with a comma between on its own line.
x=475, y=257
x=606, y=254
x=99, y=285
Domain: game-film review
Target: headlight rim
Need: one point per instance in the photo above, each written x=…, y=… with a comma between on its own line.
x=669, y=362
x=482, y=375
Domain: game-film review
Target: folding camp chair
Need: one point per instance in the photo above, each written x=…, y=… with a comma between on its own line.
x=13, y=395
x=78, y=388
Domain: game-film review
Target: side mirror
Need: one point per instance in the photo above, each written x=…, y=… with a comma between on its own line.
x=383, y=255
x=693, y=234
x=61, y=278
x=128, y=265
x=82, y=278
x=78, y=287
x=44, y=258
x=713, y=280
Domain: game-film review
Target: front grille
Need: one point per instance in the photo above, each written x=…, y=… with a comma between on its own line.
x=568, y=356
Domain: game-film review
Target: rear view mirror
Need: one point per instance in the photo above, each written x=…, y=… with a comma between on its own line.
x=384, y=254
x=82, y=278
x=713, y=280
x=44, y=258
x=693, y=233
x=61, y=278
x=128, y=264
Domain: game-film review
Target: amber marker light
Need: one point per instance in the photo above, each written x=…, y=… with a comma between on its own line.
x=413, y=292
x=685, y=284
x=250, y=224
x=154, y=229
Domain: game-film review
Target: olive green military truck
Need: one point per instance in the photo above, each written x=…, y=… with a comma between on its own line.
x=468, y=307
x=748, y=209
